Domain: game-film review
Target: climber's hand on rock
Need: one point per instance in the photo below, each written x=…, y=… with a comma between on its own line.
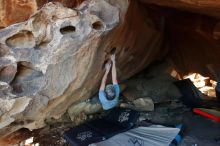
x=113, y=57
x=108, y=66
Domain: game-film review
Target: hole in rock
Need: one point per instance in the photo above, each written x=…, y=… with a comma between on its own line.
x=103, y=65
x=113, y=50
x=25, y=74
x=7, y=73
x=42, y=45
x=97, y=25
x=23, y=39
x=67, y=30
x=17, y=88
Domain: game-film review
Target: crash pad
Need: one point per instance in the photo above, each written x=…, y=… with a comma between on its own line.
x=82, y=135
x=154, y=135
x=117, y=121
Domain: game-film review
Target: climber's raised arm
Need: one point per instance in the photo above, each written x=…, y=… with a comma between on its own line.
x=114, y=73
x=107, y=69
x=109, y=95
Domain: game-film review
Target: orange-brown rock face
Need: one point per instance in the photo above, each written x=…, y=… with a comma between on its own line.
x=66, y=3
x=193, y=39
x=208, y=7
x=14, y=11
x=194, y=44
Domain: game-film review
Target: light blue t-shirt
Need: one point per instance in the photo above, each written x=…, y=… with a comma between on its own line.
x=108, y=104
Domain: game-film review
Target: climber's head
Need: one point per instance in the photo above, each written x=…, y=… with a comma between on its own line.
x=110, y=92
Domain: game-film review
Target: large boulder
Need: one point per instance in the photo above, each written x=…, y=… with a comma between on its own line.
x=55, y=59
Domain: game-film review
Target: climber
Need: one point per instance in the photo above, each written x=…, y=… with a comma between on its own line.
x=109, y=95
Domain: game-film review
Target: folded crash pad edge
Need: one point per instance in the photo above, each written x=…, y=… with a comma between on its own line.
x=206, y=114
